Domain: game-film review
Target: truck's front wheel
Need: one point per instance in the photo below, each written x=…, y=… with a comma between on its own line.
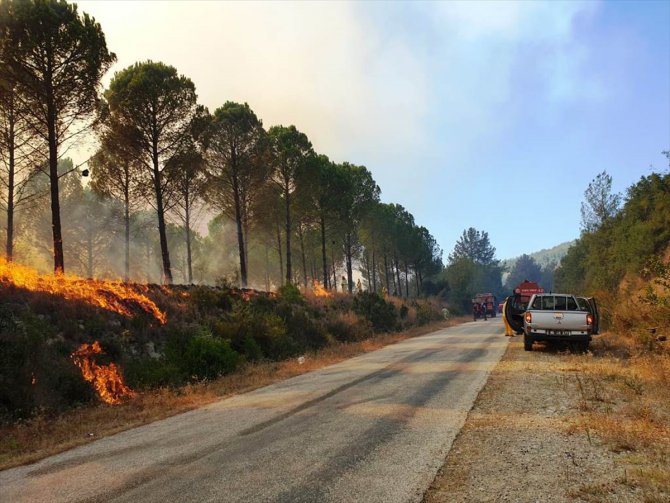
x=527, y=343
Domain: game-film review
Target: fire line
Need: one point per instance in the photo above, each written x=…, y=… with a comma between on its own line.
x=106, y=379
x=109, y=295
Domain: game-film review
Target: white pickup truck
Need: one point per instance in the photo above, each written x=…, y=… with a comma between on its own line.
x=560, y=317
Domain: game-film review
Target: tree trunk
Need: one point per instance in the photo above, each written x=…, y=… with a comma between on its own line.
x=267, y=268
x=332, y=256
x=416, y=278
x=238, y=221
x=406, y=281
x=165, y=253
x=189, y=262
x=350, y=276
x=289, y=272
x=245, y=233
x=10, y=192
x=396, y=264
x=301, y=235
x=367, y=270
x=59, y=259
x=386, y=273
x=374, y=272
x=281, y=258
x=126, y=223
x=323, y=252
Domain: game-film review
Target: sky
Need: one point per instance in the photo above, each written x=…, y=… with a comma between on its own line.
x=493, y=115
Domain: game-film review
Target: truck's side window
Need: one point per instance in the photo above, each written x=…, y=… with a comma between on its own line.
x=572, y=305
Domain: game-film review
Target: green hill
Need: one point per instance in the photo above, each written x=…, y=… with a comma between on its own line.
x=543, y=257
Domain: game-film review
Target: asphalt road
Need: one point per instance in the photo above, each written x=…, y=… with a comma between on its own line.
x=375, y=428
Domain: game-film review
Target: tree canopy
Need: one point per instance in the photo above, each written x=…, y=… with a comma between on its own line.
x=600, y=205
x=473, y=245
x=55, y=58
x=156, y=106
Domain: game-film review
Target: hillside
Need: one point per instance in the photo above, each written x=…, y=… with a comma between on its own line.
x=544, y=256
x=65, y=340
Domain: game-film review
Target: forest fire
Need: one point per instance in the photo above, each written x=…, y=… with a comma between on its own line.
x=320, y=291
x=106, y=379
x=112, y=296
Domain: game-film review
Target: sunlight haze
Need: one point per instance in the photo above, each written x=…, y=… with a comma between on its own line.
x=464, y=112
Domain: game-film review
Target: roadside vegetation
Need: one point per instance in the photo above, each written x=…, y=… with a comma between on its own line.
x=217, y=342
x=623, y=258
x=209, y=332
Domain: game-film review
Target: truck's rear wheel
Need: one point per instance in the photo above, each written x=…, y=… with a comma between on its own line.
x=527, y=343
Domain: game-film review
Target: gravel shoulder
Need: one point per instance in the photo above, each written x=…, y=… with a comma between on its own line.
x=521, y=441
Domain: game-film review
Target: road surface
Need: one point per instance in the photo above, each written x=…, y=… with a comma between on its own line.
x=375, y=428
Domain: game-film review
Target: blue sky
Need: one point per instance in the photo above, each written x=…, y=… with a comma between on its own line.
x=494, y=115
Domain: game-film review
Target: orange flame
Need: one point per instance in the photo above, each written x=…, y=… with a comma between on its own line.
x=113, y=296
x=106, y=379
x=320, y=291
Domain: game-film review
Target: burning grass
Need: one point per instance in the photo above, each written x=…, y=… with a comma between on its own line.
x=27, y=441
x=68, y=343
x=106, y=379
x=116, y=297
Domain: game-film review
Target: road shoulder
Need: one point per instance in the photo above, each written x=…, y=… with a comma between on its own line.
x=521, y=442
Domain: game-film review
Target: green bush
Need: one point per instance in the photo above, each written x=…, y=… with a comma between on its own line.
x=425, y=313
x=147, y=372
x=348, y=327
x=35, y=369
x=207, y=299
x=207, y=358
x=302, y=328
x=376, y=310
x=291, y=294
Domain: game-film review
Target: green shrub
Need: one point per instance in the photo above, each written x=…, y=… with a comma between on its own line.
x=425, y=313
x=147, y=372
x=207, y=358
x=247, y=346
x=348, y=327
x=374, y=308
x=35, y=369
x=207, y=299
x=302, y=328
x=290, y=293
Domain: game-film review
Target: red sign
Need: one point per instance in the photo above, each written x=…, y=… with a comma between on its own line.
x=528, y=288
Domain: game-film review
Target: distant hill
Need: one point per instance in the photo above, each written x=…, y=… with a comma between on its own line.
x=543, y=257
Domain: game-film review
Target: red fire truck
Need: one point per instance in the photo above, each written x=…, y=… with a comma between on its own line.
x=483, y=305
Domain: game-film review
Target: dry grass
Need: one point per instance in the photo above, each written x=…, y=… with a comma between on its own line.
x=40, y=437
x=626, y=404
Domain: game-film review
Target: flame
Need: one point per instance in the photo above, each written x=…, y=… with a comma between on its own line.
x=106, y=379
x=320, y=291
x=113, y=296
